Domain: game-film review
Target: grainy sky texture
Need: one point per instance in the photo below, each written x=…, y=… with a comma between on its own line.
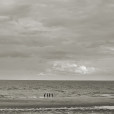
x=57, y=39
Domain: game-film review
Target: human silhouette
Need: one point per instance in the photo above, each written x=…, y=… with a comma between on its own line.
x=49, y=94
x=44, y=95
x=52, y=94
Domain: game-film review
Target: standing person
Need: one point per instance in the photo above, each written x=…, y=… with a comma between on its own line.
x=44, y=95
x=52, y=94
x=49, y=94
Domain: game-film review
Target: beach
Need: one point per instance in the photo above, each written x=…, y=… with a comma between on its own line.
x=83, y=101
x=78, y=105
x=28, y=96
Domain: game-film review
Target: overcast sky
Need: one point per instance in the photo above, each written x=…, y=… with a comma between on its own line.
x=57, y=39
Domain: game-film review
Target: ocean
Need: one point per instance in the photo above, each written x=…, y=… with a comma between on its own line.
x=34, y=91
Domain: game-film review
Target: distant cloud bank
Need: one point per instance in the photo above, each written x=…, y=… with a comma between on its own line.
x=72, y=67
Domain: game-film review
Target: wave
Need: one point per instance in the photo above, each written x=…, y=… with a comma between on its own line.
x=61, y=108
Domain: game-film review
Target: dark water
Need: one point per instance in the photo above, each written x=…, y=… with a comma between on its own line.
x=35, y=89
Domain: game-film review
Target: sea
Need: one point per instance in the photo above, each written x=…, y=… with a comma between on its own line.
x=35, y=89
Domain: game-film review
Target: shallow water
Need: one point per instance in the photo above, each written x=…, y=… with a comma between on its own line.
x=36, y=89
x=59, y=112
x=62, y=110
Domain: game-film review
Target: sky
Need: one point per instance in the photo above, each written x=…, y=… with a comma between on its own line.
x=57, y=39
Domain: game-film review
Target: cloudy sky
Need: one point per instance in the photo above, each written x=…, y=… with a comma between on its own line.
x=57, y=39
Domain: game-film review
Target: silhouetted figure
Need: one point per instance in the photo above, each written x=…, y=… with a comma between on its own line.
x=52, y=94
x=47, y=95
x=44, y=95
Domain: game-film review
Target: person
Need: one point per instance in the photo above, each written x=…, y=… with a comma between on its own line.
x=52, y=94
x=49, y=94
x=44, y=95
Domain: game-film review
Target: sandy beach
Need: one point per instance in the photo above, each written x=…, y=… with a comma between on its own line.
x=84, y=101
x=30, y=94
x=69, y=97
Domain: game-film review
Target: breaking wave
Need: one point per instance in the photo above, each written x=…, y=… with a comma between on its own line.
x=61, y=108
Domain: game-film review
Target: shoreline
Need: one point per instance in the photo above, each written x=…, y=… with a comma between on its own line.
x=92, y=108
x=83, y=101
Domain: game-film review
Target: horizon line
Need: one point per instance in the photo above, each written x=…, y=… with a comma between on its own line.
x=49, y=80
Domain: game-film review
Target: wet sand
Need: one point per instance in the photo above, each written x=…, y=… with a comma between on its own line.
x=84, y=101
x=29, y=94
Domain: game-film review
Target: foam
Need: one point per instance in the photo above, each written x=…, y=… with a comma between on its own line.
x=61, y=108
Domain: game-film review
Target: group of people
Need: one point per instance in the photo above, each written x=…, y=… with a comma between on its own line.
x=46, y=95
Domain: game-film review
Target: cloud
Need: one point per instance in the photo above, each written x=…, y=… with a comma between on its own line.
x=107, y=49
x=25, y=26
x=110, y=48
x=31, y=25
x=85, y=70
x=41, y=74
x=3, y=18
x=14, y=53
x=72, y=67
x=7, y=5
x=58, y=30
